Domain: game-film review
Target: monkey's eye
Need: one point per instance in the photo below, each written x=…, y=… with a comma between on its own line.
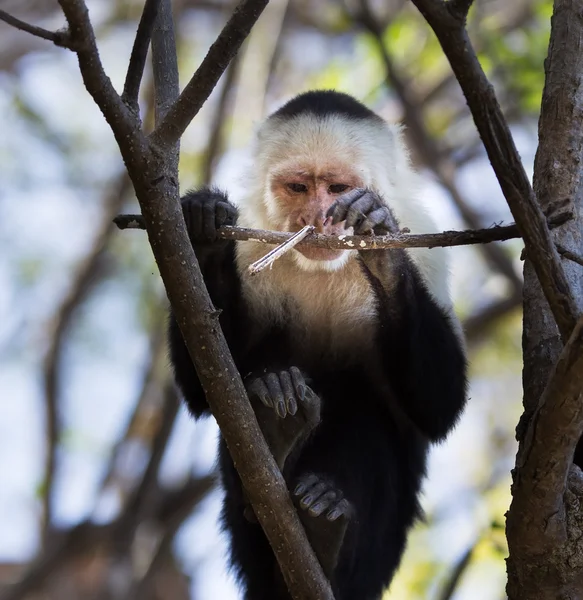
x=338, y=188
x=299, y=188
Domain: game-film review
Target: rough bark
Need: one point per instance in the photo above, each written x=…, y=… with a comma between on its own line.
x=544, y=522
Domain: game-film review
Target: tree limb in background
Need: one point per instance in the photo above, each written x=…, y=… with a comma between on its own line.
x=493, y=129
x=135, y=71
x=84, y=277
x=476, y=325
x=170, y=130
x=172, y=507
x=140, y=504
x=155, y=180
x=213, y=147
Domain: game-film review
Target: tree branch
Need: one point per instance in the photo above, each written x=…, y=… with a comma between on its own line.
x=153, y=174
x=543, y=527
x=59, y=38
x=124, y=124
x=428, y=148
x=495, y=134
x=459, y=8
x=497, y=233
x=135, y=72
x=550, y=442
x=207, y=75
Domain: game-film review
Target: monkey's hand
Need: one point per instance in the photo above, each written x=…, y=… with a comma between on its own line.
x=365, y=212
x=205, y=211
x=287, y=410
x=368, y=214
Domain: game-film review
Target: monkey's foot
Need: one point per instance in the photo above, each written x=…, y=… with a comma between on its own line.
x=325, y=514
x=287, y=410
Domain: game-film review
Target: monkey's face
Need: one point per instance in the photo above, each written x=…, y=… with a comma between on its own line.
x=303, y=193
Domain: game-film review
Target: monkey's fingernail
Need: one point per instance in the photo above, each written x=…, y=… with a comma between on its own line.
x=333, y=514
x=266, y=400
x=316, y=510
x=292, y=407
x=300, y=489
x=280, y=409
x=306, y=500
x=302, y=392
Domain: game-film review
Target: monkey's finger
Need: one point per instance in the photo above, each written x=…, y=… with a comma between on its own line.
x=221, y=213
x=276, y=393
x=288, y=392
x=305, y=483
x=209, y=228
x=258, y=389
x=359, y=209
x=342, y=509
x=339, y=209
x=298, y=382
x=325, y=501
x=224, y=214
x=313, y=494
x=373, y=219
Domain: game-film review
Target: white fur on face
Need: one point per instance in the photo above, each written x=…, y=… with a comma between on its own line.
x=377, y=153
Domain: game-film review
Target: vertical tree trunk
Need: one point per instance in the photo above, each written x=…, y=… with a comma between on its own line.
x=547, y=562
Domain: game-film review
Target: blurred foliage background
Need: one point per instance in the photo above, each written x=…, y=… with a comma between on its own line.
x=107, y=487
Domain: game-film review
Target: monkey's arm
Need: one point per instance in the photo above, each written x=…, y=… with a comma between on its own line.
x=204, y=212
x=420, y=348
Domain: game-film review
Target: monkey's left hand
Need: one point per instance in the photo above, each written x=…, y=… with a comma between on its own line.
x=365, y=212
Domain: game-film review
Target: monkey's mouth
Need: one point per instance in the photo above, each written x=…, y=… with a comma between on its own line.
x=323, y=254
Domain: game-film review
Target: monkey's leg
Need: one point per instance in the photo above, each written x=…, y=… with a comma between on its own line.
x=287, y=411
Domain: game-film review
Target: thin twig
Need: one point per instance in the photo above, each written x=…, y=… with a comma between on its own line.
x=139, y=54
x=207, y=75
x=497, y=233
x=276, y=253
x=59, y=38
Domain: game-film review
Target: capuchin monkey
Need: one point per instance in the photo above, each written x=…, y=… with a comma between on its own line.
x=353, y=360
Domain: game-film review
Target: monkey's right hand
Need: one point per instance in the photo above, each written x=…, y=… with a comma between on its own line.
x=205, y=211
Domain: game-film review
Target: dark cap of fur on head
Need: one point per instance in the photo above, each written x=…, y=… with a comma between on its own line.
x=323, y=103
